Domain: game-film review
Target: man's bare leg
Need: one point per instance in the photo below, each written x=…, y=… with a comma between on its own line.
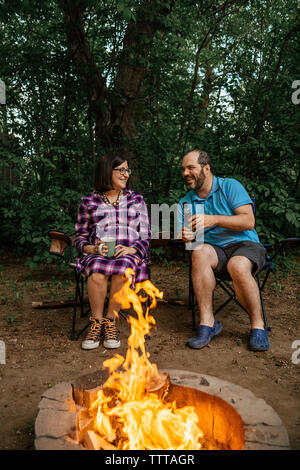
x=204, y=260
x=246, y=289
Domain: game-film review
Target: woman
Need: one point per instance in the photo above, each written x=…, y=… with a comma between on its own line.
x=111, y=211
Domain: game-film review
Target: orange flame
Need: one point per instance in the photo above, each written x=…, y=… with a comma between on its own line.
x=126, y=412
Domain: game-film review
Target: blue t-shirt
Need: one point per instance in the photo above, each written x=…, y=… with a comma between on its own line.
x=224, y=197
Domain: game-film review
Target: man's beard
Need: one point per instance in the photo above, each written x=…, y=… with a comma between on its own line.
x=198, y=183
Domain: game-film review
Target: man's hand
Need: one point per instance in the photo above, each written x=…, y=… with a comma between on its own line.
x=196, y=223
x=187, y=235
x=202, y=221
x=243, y=219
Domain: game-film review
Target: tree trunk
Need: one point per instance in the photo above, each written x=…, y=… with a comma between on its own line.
x=114, y=110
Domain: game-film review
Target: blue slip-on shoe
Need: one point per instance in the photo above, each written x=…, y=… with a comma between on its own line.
x=259, y=340
x=204, y=335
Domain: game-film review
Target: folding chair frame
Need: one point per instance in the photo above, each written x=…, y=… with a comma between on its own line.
x=59, y=241
x=228, y=289
x=62, y=240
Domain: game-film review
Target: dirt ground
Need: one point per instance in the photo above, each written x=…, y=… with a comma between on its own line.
x=40, y=354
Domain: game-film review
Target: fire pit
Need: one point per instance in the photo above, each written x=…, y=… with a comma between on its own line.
x=130, y=405
x=231, y=417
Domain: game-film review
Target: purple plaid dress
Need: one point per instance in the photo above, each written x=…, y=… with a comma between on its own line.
x=128, y=223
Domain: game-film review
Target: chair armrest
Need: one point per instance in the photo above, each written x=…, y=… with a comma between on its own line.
x=59, y=241
x=290, y=242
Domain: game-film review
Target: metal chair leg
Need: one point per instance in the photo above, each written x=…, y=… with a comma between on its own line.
x=265, y=279
x=230, y=292
x=222, y=306
x=77, y=297
x=82, y=330
x=81, y=280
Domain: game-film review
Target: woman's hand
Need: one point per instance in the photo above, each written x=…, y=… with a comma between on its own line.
x=104, y=249
x=122, y=250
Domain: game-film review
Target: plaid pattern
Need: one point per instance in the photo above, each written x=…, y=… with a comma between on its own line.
x=128, y=223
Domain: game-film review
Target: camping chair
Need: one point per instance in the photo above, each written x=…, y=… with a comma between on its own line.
x=59, y=242
x=273, y=250
x=62, y=245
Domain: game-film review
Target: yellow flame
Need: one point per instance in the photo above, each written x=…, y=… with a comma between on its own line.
x=126, y=412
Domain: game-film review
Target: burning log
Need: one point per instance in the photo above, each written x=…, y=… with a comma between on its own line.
x=160, y=385
x=89, y=396
x=84, y=423
x=131, y=410
x=87, y=383
x=84, y=397
x=95, y=442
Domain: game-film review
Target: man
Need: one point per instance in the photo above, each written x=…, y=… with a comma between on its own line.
x=223, y=209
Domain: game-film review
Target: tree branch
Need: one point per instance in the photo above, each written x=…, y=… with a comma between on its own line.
x=132, y=67
x=114, y=111
x=89, y=72
x=259, y=126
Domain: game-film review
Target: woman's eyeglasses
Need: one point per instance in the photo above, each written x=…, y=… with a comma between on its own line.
x=122, y=171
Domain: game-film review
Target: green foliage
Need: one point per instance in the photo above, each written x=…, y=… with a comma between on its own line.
x=218, y=76
x=278, y=213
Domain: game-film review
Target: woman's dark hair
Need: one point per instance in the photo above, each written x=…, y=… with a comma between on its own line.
x=103, y=171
